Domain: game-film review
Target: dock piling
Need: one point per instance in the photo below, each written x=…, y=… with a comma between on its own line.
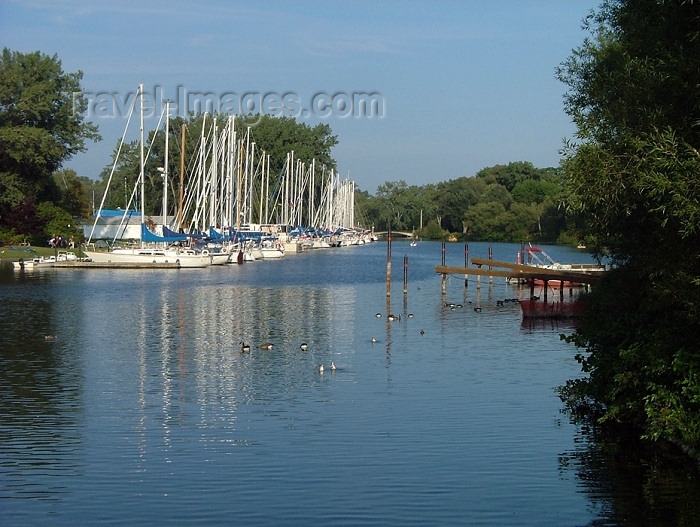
x=405, y=274
x=444, y=275
x=466, y=264
x=388, y=263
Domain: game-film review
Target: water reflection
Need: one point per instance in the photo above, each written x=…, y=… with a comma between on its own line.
x=190, y=340
x=145, y=401
x=41, y=405
x=630, y=485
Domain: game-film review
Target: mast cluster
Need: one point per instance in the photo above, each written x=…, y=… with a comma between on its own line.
x=228, y=184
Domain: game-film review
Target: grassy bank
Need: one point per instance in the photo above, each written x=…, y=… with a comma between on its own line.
x=14, y=253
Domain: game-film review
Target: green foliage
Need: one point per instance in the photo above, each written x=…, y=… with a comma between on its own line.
x=634, y=192
x=57, y=222
x=535, y=191
x=478, y=208
x=73, y=192
x=511, y=174
x=433, y=231
x=453, y=197
x=399, y=205
x=41, y=126
x=281, y=135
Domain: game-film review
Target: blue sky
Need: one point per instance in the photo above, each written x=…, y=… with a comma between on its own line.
x=462, y=85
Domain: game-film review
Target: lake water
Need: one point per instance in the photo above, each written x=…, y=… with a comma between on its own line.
x=144, y=411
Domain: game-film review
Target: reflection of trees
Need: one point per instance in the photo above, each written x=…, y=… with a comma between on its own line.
x=632, y=485
x=40, y=395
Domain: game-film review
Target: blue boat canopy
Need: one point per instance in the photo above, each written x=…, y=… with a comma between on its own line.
x=148, y=236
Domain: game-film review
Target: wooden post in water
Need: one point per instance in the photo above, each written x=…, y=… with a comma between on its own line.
x=478, y=280
x=444, y=275
x=405, y=274
x=466, y=264
x=490, y=258
x=388, y=264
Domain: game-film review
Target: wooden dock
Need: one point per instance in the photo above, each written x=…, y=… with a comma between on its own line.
x=79, y=264
x=532, y=307
x=486, y=267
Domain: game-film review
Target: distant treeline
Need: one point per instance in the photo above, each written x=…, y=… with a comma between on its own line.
x=509, y=203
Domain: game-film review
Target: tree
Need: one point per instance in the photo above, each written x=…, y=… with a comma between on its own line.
x=511, y=174
x=73, y=191
x=634, y=95
x=397, y=205
x=281, y=135
x=41, y=126
x=453, y=197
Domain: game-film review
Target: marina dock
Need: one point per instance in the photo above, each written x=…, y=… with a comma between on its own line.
x=79, y=264
x=533, y=307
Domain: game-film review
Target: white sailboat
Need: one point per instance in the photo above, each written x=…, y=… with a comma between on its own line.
x=181, y=256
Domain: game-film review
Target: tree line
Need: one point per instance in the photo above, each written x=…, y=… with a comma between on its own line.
x=510, y=203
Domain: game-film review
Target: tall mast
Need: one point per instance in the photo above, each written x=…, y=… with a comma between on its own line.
x=141, y=161
x=182, y=179
x=165, y=163
x=213, y=178
x=238, y=185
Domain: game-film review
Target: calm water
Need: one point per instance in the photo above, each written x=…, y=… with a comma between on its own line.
x=144, y=410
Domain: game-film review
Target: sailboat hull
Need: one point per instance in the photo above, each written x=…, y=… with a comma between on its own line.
x=149, y=256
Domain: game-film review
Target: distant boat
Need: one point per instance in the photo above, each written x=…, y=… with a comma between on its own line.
x=44, y=261
x=271, y=248
x=414, y=243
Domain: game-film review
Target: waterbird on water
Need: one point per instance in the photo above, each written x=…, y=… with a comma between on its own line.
x=244, y=347
x=303, y=346
x=378, y=315
x=320, y=368
x=266, y=346
x=373, y=340
x=332, y=366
